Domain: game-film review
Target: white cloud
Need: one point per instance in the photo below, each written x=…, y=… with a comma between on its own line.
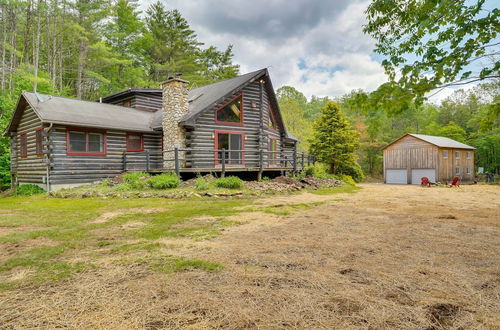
x=326, y=36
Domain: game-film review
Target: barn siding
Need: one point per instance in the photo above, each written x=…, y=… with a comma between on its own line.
x=412, y=153
x=31, y=169
x=68, y=169
x=205, y=127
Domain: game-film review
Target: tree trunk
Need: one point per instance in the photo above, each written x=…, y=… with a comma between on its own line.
x=37, y=49
x=81, y=66
x=4, y=32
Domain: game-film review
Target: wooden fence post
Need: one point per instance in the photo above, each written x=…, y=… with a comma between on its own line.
x=223, y=163
x=176, y=160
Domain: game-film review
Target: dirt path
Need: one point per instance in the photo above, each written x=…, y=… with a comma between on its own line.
x=385, y=257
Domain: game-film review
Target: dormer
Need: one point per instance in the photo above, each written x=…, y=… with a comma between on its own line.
x=144, y=99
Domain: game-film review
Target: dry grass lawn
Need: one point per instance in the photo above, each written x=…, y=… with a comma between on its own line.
x=400, y=257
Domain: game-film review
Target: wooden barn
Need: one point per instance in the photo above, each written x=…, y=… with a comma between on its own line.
x=233, y=125
x=413, y=156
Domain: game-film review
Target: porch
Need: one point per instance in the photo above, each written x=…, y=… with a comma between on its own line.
x=200, y=160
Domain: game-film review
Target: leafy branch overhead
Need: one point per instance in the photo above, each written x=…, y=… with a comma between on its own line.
x=432, y=44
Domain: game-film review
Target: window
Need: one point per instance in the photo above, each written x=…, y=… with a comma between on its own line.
x=135, y=142
x=272, y=120
x=457, y=154
x=39, y=141
x=127, y=103
x=468, y=154
x=457, y=170
x=445, y=154
x=85, y=142
x=467, y=170
x=23, y=145
x=231, y=113
x=233, y=144
x=273, y=148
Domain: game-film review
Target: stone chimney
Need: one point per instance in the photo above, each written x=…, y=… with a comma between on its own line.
x=175, y=106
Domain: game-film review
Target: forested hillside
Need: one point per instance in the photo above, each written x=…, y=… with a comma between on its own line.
x=90, y=48
x=472, y=117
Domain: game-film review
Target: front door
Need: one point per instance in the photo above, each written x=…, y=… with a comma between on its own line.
x=232, y=142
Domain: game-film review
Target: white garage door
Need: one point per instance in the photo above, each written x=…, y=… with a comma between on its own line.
x=418, y=173
x=396, y=176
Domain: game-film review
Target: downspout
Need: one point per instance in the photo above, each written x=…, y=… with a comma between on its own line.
x=48, y=158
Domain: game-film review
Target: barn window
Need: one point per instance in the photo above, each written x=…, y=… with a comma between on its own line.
x=39, y=141
x=468, y=170
x=231, y=112
x=445, y=154
x=457, y=170
x=468, y=154
x=135, y=142
x=23, y=145
x=457, y=154
x=85, y=142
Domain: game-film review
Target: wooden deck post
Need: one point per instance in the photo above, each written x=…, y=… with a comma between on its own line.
x=223, y=163
x=261, y=164
x=176, y=156
x=295, y=158
x=147, y=160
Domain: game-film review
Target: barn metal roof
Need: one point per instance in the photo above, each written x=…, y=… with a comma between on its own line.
x=439, y=141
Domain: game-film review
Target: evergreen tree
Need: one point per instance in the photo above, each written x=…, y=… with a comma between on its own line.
x=335, y=142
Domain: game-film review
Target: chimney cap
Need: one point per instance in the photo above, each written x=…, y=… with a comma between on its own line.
x=176, y=77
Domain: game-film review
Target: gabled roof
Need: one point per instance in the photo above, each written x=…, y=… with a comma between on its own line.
x=439, y=141
x=68, y=111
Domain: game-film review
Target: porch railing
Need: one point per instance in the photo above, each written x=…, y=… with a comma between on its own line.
x=220, y=160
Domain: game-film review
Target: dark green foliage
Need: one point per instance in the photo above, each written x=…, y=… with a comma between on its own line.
x=230, y=182
x=429, y=44
x=164, y=181
x=29, y=190
x=334, y=142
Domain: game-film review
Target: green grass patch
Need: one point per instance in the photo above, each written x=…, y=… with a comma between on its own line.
x=171, y=264
x=343, y=189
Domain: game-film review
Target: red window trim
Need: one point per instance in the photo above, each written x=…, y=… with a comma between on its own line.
x=222, y=107
x=217, y=132
x=86, y=130
x=23, y=152
x=39, y=153
x=135, y=134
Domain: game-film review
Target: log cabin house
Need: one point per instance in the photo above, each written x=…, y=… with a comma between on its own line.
x=232, y=125
x=440, y=159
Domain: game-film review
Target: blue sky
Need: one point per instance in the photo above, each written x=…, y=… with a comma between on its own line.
x=316, y=46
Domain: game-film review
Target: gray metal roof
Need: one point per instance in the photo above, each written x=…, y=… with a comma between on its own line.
x=63, y=110
x=442, y=142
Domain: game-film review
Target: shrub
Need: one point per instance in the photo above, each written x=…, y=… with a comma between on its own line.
x=106, y=183
x=29, y=189
x=201, y=184
x=135, y=180
x=230, y=182
x=347, y=179
x=318, y=170
x=163, y=181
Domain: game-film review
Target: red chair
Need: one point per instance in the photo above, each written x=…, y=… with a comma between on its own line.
x=425, y=182
x=455, y=182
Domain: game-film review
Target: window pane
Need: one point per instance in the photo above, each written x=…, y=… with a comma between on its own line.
x=231, y=112
x=134, y=142
x=77, y=141
x=235, y=144
x=445, y=153
x=95, y=142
